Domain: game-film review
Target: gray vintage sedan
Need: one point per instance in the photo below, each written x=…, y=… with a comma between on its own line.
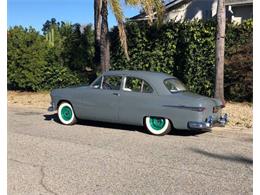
x=155, y=100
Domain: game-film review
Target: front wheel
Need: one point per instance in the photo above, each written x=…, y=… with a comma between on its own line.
x=66, y=114
x=158, y=125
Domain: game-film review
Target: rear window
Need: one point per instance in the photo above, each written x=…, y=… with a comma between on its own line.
x=174, y=85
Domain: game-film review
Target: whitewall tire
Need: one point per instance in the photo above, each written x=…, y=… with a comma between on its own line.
x=157, y=125
x=66, y=114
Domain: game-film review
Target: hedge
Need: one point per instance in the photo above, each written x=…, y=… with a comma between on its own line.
x=187, y=51
x=33, y=65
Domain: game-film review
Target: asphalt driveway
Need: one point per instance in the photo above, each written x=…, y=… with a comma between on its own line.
x=45, y=157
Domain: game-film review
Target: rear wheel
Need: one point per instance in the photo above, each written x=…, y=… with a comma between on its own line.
x=158, y=125
x=66, y=114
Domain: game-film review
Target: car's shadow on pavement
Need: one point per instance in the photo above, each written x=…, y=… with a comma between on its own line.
x=50, y=117
x=176, y=132
x=229, y=157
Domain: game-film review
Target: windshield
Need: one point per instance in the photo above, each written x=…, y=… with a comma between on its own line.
x=174, y=85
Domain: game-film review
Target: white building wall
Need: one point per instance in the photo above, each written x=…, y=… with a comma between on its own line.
x=195, y=9
x=206, y=9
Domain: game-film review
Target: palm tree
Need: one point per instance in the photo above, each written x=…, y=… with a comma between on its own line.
x=104, y=39
x=97, y=27
x=220, y=48
x=101, y=25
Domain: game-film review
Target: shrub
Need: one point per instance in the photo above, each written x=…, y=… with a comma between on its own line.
x=26, y=58
x=55, y=75
x=33, y=65
x=187, y=50
x=239, y=62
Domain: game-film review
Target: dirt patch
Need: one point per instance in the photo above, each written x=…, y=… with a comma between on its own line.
x=29, y=99
x=240, y=114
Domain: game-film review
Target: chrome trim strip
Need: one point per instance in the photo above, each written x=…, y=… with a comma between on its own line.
x=183, y=107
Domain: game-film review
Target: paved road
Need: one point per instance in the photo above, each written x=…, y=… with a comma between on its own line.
x=45, y=157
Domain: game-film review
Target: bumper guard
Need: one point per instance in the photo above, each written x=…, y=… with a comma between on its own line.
x=221, y=122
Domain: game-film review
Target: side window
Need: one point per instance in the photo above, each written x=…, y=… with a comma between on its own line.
x=97, y=83
x=137, y=85
x=111, y=82
x=147, y=88
x=133, y=84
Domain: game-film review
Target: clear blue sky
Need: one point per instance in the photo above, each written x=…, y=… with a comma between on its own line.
x=35, y=12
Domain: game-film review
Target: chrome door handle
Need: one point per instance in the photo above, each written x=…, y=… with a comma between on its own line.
x=116, y=94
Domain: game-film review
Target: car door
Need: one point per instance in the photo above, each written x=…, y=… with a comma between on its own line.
x=137, y=100
x=101, y=100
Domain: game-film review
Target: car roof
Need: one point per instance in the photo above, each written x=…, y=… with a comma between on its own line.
x=141, y=74
x=155, y=79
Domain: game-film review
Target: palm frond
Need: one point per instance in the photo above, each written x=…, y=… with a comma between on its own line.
x=148, y=9
x=159, y=7
x=151, y=8
x=133, y=2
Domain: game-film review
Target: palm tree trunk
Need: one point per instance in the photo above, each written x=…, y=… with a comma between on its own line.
x=220, y=48
x=97, y=26
x=104, y=41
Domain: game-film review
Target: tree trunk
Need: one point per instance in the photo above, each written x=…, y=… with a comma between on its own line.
x=104, y=41
x=220, y=48
x=97, y=26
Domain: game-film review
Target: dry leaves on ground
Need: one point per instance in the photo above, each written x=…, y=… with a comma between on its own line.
x=240, y=114
x=30, y=99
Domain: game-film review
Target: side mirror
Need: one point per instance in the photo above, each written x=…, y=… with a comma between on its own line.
x=96, y=86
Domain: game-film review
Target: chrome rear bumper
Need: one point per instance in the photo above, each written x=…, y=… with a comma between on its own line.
x=208, y=123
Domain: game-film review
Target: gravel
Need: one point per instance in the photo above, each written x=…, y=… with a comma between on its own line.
x=45, y=157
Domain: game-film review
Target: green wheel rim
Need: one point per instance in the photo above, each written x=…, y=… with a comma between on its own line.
x=66, y=113
x=157, y=123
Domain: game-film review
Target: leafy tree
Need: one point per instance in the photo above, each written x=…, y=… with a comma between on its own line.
x=57, y=75
x=34, y=64
x=26, y=51
x=74, y=42
x=88, y=46
x=78, y=47
x=239, y=61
